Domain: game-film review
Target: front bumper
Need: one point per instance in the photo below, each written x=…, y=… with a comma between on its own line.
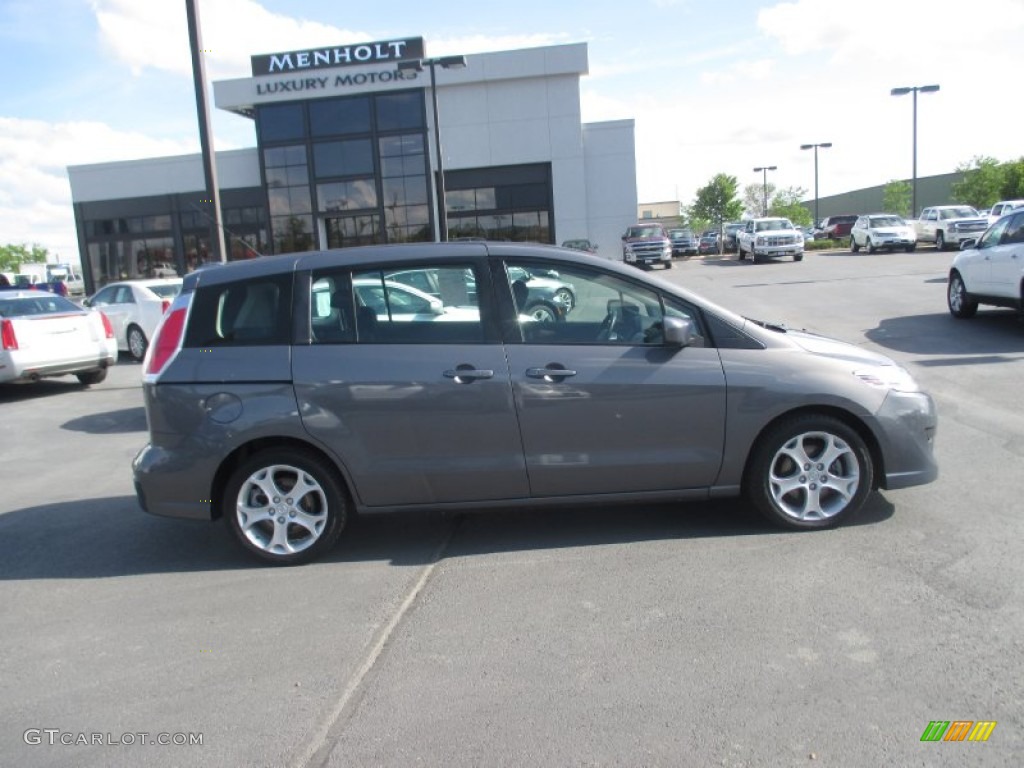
x=908, y=422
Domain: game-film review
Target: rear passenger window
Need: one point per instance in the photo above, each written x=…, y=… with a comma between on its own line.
x=248, y=313
x=428, y=305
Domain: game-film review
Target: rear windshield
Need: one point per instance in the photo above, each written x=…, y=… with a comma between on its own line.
x=168, y=291
x=36, y=305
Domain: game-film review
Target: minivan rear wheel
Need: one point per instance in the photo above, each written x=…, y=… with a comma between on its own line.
x=285, y=507
x=809, y=471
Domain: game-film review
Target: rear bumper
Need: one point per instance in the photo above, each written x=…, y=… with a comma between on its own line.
x=166, y=488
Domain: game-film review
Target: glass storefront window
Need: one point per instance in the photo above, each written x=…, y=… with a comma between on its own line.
x=292, y=233
x=347, y=231
x=281, y=122
x=399, y=111
x=332, y=117
x=346, y=195
x=343, y=158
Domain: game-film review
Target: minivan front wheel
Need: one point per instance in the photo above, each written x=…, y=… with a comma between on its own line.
x=285, y=507
x=809, y=471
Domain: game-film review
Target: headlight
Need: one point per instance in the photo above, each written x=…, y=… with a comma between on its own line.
x=892, y=377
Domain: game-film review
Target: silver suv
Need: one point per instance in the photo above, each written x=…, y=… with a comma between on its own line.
x=285, y=393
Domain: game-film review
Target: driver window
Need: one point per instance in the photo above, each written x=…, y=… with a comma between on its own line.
x=580, y=305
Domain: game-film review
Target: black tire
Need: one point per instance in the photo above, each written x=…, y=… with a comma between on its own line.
x=740, y=252
x=668, y=265
x=137, y=343
x=268, y=527
x=810, y=503
x=798, y=257
x=910, y=248
x=854, y=248
x=870, y=246
x=961, y=304
x=91, y=377
x=940, y=241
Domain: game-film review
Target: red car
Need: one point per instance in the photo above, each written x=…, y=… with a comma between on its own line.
x=837, y=227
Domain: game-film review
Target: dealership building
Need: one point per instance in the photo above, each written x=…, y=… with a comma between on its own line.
x=347, y=155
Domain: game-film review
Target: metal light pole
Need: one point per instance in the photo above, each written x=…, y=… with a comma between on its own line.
x=815, y=146
x=903, y=92
x=445, y=62
x=764, y=198
x=217, y=246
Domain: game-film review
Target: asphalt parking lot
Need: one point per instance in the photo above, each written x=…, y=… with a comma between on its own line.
x=642, y=635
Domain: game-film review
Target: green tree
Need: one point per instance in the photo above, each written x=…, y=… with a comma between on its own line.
x=753, y=198
x=896, y=198
x=11, y=256
x=1013, y=181
x=787, y=204
x=982, y=184
x=716, y=201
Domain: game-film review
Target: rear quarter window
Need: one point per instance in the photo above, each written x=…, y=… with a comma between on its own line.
x=255, y=312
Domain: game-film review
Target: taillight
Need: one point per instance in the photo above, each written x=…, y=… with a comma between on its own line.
x=168, y=339
x=7, y=337
x=164, y=306
x=108, y=329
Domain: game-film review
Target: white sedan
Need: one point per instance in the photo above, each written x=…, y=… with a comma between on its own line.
x=882, y=230
x=135, y=309
x=43, y=335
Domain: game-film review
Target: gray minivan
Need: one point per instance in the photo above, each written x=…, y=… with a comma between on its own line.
x=285, y=393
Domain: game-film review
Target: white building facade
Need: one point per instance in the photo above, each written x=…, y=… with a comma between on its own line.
x=347, y=155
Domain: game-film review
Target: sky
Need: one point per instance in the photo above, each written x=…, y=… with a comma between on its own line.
x=719, y=86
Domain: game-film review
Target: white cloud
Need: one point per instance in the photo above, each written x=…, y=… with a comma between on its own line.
x=35, y=197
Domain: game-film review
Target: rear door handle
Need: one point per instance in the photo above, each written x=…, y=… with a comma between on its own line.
x=464, y=374
x=549, y=373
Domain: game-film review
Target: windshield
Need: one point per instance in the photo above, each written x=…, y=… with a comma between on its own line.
x=644, y=232
x=962, y=212
x=763, y=226
x=886, y=221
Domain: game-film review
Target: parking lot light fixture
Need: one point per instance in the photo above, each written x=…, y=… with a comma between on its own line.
x=903, y=91
x=764, y=185
x=445, y=62
x=823, y=144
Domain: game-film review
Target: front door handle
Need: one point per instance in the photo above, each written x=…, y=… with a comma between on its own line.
x=550, y=373
x=465, y=374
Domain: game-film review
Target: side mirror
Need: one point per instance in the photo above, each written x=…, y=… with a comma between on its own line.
x=679, y=332
x=968, y=244
x=86, y=303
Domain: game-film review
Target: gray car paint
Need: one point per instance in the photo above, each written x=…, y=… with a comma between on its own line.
x=603, y=435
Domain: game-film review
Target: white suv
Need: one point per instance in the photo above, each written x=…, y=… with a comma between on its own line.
x=1002, y=208
x=989, y=271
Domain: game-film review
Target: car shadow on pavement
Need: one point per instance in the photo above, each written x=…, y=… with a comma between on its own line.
x=38, y=390
x=123, y=420
x=109, y=537
x=990, y=332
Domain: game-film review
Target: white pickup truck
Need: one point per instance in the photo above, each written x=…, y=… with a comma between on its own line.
x=770, y=237
x=949, y=225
